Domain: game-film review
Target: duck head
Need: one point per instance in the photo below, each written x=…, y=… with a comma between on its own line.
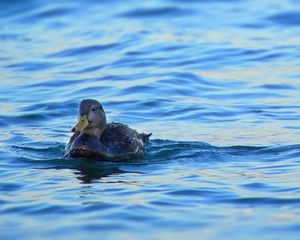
x=92, y=118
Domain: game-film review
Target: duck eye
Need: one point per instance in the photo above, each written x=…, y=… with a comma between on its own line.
x=94, y=109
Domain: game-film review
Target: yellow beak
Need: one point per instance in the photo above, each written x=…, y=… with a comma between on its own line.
x=82, y=123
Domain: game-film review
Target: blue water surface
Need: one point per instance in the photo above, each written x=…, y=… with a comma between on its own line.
x=216, y=82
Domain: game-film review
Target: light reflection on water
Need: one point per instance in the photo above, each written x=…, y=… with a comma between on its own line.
x=216, y=82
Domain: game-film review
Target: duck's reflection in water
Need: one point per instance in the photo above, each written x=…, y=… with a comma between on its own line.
x=92, y=171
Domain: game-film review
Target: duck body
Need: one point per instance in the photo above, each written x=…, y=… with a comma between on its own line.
x=113, y=142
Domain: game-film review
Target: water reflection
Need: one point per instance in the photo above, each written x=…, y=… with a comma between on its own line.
x=92, y=172
x=223, y=72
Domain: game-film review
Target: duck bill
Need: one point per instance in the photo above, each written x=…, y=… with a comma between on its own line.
x=82, y=123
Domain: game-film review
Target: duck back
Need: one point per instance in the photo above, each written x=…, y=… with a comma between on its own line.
x=120, y=140
x=117, y=142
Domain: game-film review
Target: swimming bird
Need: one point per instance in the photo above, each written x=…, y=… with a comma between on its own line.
x=93, y=138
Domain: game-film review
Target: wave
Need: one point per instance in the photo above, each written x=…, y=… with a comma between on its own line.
x=157, y=12
x=167, y=150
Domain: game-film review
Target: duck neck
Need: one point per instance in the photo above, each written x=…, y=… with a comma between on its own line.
x=97, y=132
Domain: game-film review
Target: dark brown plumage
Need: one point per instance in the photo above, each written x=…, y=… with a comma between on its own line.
x=94, y=139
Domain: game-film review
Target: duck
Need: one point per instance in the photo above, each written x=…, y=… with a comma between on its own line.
x=94, y=138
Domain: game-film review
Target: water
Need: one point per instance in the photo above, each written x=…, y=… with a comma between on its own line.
x=216, y=82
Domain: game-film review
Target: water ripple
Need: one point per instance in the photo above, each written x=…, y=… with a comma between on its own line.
x=157, y=12
x=215, y=81
x=82, y=50
x=291, y=18
x=32, y=66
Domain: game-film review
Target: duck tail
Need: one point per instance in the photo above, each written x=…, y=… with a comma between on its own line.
x=145, y=136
